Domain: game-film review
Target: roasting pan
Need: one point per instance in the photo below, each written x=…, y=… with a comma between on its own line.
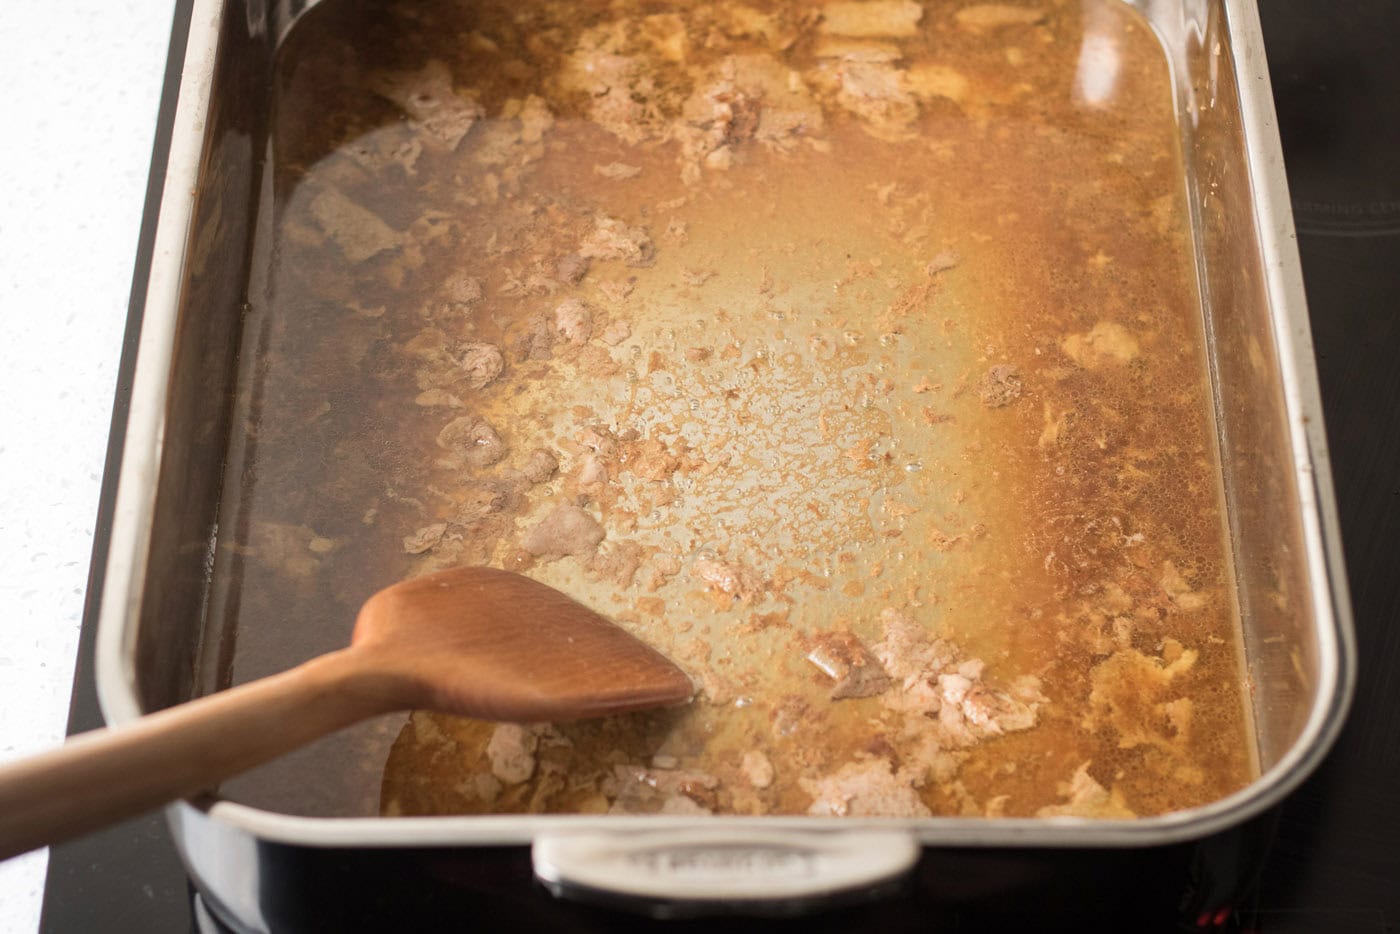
x=1282, y=524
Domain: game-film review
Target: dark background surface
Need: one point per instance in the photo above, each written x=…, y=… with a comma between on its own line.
x=1335, y=861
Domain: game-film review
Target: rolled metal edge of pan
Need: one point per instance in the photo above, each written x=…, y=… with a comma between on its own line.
x=130, y=540
x=1292, y=334
x=117, y=675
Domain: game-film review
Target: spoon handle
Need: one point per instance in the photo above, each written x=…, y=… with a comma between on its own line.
x=108, y=775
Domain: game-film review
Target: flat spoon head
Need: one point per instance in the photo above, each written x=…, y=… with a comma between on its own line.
x=498, y=646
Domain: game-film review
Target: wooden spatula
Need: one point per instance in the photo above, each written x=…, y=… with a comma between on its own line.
x=471, y=641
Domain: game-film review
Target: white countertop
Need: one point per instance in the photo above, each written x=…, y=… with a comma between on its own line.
x=83, y=81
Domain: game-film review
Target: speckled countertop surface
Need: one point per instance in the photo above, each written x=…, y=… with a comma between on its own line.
x=82, y=80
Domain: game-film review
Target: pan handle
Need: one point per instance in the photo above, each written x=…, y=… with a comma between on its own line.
x=706, y=871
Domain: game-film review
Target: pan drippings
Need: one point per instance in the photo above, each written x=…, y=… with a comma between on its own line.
x=848, y=353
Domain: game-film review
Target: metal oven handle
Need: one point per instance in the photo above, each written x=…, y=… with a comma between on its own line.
x=678, y=873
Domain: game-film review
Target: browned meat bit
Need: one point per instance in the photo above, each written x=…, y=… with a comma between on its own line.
x=941, y=263
x=540, y=466
x=1087, y=798
x=615, y=333
x=571, y=268
x=649, y=458
x=1132, y=694
x=484, y=500
x=1106, y=343
x=482, y=363
x=619, y=563
x=663, y=567
x=757, y=768
x=877, y=93
x=512, y=753
x=906, y=651
x=537, y=341
x=618, y=171
x=568, y=530
x=620, y=88
x=430, y=101
x=599, y=440
x=871, y=18
x=1000, y=387
x=934, y=683
x=424, y=539
x=472, y=439
x=573, y=321
x=970, y=711
x=592, y=472
x=662, y=791
x=994, y=15
x=868, y=788
x=846, y=660
x=613, y=239
x=359, y=232
x=1179, y=590
x=285, y=548
x=730, y=579
x=462, y=290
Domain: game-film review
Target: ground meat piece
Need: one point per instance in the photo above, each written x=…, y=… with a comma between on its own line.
x=571, y=268
x=869, y=788
x=621, y=89
x=992, y=15
x=1000, y=387
x=424, y=539
x=843, y=657
x=359, y=232
x=474, y=439
x=434, y=398
x=568, y=530
x=649, y=458
x=858, y=51
x=388, y=146
x=462, y=290
x=535, y=119
x=662, y=791
x=875, y=91
x=573, y=321
x=1087, y=798
x=430, y=101
x=1179, y=590
x=540, y=466
x=757, y=769
x=906, y=650
x=730, y=578
x=478, y=502
x=482, y=363
x=927, y=80
x=1130, y=693
x=971, y=711
x=618, y=171
x=599, y=440
x=512, y=753
x=615, y=333
x=619, y=564
x=613, y=239
x=592, y=471
x=1106, y=343
x=537, y=342
x=870, y=18
x=942, y=262
x=284, y=548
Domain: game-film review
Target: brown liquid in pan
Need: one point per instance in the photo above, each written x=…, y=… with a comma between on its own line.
x=847, y=353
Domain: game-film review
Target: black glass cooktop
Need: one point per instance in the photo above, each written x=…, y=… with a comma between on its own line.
x=1334, y=865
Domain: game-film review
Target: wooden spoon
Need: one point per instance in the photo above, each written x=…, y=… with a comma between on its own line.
x=470, y=641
